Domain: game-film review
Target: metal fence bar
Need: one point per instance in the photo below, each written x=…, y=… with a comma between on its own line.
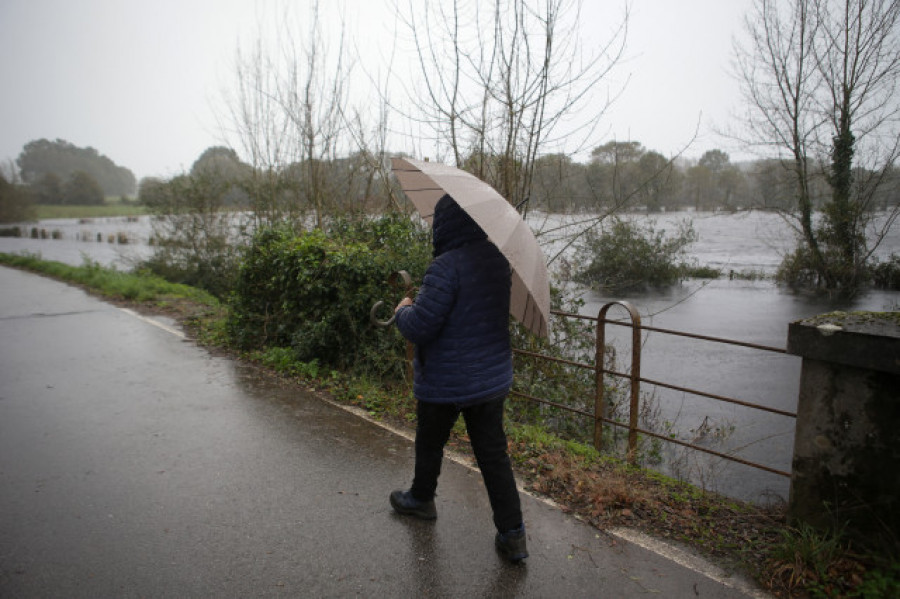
x=552, y=359
x=620, y=323
x=778, y=350
x=634, y=375
x=724, y=398
x=719, y=454
x=547, y=402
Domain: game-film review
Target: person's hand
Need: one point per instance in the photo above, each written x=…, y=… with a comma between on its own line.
x=404, y=302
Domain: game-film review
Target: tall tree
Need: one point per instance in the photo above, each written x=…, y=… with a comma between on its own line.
x=15, y=202
x=82, y=189
x=559, y=184
x=221, y=161
x=151, y=190
x=658, y=181
x=48, y=189
x=715, y=160
x=819, y=80
x=773, y=185
x=723, y=180
x=63, y=159
x=288, y=115
x=624, y=173
x=613, y=174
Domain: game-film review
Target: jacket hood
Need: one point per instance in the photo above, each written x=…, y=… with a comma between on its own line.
x=452, y=227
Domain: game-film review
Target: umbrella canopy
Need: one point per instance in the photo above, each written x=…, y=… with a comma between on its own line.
x=424, y=183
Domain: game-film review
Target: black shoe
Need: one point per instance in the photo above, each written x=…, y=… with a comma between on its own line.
x=511, y=544
x=404, y=503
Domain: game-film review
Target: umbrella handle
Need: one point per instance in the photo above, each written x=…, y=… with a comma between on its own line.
x=401, y=277
x=380, y=323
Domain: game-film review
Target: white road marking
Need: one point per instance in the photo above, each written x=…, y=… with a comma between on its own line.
x=155, y=323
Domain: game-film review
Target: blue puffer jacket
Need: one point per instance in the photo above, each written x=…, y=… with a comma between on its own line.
x=460, y=319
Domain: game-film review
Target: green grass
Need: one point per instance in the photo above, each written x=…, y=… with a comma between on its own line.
x=140, y=286
x=538, y=436
x=113, y=207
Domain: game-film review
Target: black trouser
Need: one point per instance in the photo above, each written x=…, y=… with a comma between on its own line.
x=484, y=422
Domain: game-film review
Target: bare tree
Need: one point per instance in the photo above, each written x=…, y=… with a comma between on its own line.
x=858, y=58
x=192, y=232
x=288, y=117
x=261, y=129
x=818, y=79
x=369, y=126
x=501, y=86
x=313, y=94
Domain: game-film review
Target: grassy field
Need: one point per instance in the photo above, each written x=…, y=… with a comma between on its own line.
x=112, y=207
x=111, y=283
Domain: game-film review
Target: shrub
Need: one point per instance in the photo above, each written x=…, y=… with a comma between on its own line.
x=797, y=269
x=800, y=270
x=627, y=255
x=195, y=239
x=312, y=292
x=16, y=203
x=555, y=380
x=11, y=231
x=703, y=272
x=886, y=275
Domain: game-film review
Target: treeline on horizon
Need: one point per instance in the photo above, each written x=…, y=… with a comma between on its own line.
x=48, y=169
x=618, y=176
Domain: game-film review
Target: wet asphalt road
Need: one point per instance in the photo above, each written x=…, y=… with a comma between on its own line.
x=135, y=464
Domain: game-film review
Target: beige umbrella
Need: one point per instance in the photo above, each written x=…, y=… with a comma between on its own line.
x=426, y=182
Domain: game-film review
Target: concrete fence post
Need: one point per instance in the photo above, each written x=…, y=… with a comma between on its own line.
x=846, y=464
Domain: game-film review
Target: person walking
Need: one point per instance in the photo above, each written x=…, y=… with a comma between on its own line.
x=459, y=323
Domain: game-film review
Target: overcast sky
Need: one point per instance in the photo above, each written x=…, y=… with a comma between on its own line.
x=139, y=80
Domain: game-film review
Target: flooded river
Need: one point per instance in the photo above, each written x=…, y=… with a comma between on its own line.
x=114, y=241
x=756, y=312
x=751, y=311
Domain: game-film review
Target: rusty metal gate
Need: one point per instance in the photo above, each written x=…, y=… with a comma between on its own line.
x=636, y=380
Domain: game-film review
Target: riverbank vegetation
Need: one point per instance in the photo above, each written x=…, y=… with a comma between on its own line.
x=819, y=79
x=629, y=255
x=17, y=206
x=111, y=283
